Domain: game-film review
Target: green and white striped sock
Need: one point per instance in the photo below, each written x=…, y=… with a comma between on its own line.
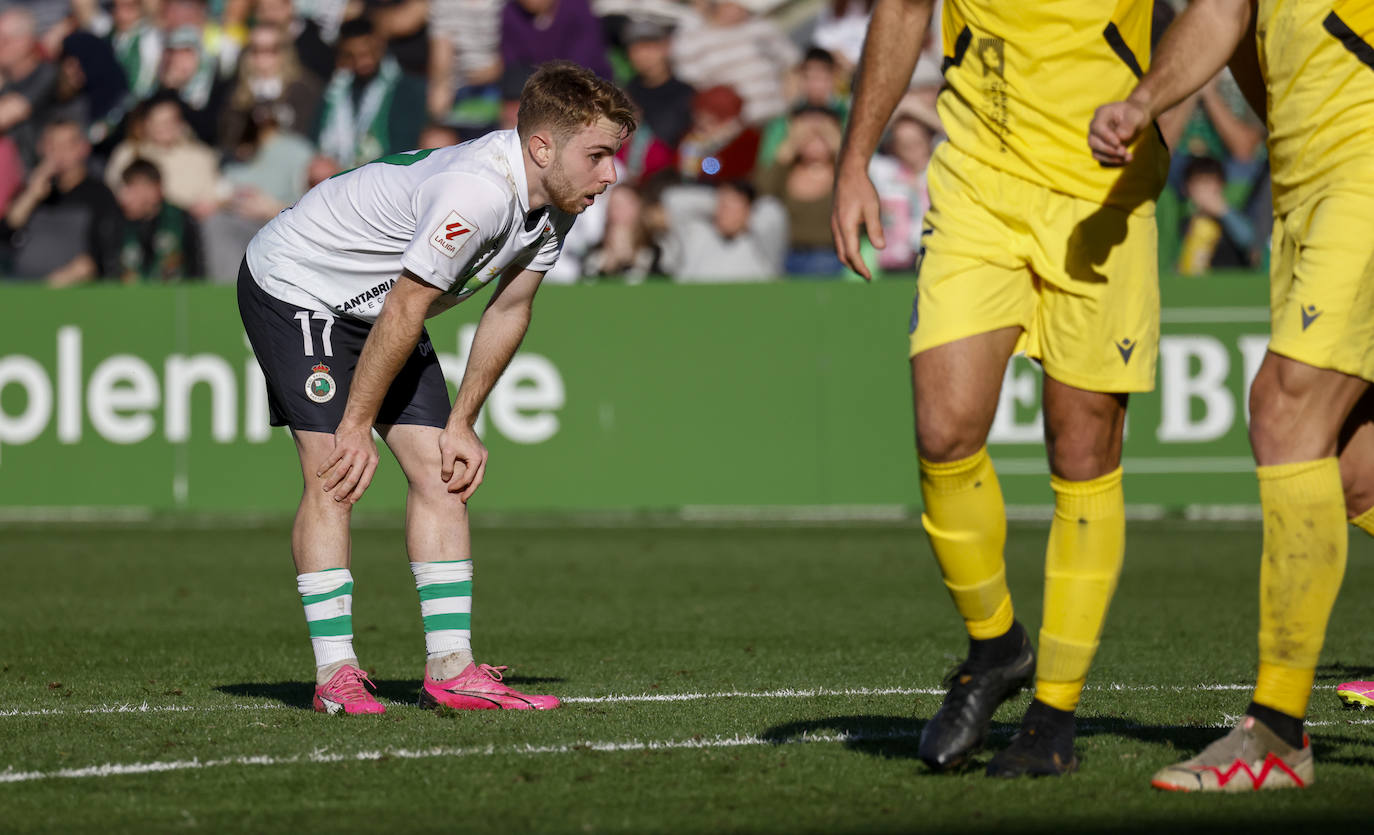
x=328, y=600
x=446, y=607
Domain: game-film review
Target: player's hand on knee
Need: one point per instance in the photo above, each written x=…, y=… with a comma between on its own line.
x=1114, y=128
x=349, y=469
x=856, y=205
x=463, y=460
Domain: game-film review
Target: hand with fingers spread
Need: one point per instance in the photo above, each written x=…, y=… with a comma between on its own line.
x=856, y=205
x=350, y=467
x=1114, y=128
x=463, y=459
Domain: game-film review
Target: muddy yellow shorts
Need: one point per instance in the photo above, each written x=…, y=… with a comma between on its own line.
x=1321, y=282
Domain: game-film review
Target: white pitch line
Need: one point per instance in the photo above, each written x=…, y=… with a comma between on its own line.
x=9, y=775
x=738, y=741
x=622, y=698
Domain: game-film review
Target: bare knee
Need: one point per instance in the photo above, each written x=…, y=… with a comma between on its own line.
x=433, y=494
x=1359, y=491
x=1082, y=430
x=948, y=437
x=1296, y=411
x=324, y=505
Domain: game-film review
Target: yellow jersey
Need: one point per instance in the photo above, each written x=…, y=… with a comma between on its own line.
x=1318, y=65
x=1023, y=80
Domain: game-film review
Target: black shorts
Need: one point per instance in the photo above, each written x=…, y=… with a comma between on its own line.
x=309, y=357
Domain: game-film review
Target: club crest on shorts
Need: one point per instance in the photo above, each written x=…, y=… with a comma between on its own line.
x=319, y=386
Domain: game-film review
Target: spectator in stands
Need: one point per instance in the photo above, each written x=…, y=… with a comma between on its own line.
x=404, y=27
x=438, y=136
x=271, y=77
x=465, y=61
x=12, y=172
x=720, y=146
x=321, y=168
x=158, y=241
x=268, y=175
x=29, y=82
x=731, y=46
x=217, y=41
x=190, y=168
x=627, y=250
x=191, y=75
x=306, y=35
x=91, y=89
x=1216, y=235
x=370, y=108
x=898, y=172
x=535, y=31
x=137, y=45
x=722, y=234
x=817, y=82
x=1216, y=122
x=803, y=178
x=512, y=82
x=665, y=100
x=64, y=217
x=841, y=27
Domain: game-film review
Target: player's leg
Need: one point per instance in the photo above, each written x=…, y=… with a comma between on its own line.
x=439, y=544
x=1357, y=478
x=1357, y=464
x=1087, y=544
x=292, y=347
x=322, y=550
x=975, y=298
x=955, y=389
x=1096, y=335
x=1315, y=373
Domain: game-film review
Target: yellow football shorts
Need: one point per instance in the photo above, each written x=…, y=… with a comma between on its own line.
x=1321, y=282
x=1079, y=278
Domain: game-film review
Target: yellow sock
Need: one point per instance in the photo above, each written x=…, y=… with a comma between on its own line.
x=967, y=525
x=1305, y=544
x=1082, y=564
x=1365, y=521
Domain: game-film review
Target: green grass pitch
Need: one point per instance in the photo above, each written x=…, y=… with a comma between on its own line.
x=203, y=628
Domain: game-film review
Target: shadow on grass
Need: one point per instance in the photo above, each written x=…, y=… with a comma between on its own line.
x=1339, y=673
x=897, y=737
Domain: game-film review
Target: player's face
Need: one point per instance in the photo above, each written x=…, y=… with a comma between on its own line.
x=584, y=166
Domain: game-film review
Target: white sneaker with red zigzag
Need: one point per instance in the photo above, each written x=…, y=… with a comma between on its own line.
x=1249, y=758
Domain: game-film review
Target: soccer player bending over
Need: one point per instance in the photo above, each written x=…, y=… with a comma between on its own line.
x=1310, y=403
x=1029, y=245
x=334, y=293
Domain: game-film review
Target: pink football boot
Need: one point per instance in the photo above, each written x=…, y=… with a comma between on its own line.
x=1356, y=693
x=347, y=692
x=479, y=687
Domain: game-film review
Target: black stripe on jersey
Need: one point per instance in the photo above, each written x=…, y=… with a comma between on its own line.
x=1118, y=45
x=1351, y=41
x=960, y=47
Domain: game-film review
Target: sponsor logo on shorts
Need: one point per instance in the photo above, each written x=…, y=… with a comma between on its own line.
x=1125, y=348
x=319, y=386
x=1309, y=315
x=452, y=235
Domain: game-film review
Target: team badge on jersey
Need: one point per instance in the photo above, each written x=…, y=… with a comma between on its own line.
x=319, y=386
x=452, y=235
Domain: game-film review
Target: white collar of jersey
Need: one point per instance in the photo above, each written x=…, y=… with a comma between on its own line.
x=516, y=156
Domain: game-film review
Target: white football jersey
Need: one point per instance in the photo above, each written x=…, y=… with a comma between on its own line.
x=455, y=217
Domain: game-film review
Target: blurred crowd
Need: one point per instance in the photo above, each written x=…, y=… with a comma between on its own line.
x=148, y=140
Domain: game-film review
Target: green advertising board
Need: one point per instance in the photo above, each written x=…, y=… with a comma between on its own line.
x=654, y=397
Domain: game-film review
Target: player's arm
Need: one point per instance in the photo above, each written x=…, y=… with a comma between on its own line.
x=1195, y=47
x=499, y=332
x=893, y=44
x=393, y=338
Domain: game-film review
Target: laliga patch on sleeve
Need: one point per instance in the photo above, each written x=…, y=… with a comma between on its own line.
x=452, y=235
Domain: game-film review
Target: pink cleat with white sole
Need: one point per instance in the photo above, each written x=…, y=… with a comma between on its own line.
x=479, y=687
x=1356, y=693
x=346, y=692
